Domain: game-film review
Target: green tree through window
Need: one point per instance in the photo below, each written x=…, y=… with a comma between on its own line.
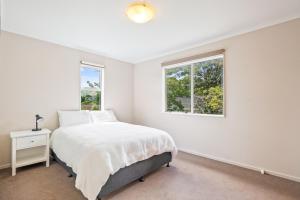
x=208, y=87
x=207, y=95
x=178, y=89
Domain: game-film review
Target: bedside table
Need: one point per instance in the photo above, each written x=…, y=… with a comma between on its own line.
x=29, y=147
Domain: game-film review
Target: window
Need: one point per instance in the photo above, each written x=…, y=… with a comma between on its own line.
x=178, y=89
x=195, y=86
x=91, y=87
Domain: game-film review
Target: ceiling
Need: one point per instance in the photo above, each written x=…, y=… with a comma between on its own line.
x=101, y=26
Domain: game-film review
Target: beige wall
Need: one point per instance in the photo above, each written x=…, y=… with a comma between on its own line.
x=261, y=127
x=39, y=77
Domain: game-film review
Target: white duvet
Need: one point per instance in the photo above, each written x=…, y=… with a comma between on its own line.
x=95, y=151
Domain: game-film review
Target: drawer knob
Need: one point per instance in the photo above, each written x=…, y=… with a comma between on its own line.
x=32, y=141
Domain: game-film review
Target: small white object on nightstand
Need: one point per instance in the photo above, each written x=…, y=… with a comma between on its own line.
x=29, y=147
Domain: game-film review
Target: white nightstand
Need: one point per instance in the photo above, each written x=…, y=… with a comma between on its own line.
x=29, y=147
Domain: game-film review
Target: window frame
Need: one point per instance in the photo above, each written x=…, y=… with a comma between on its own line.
x=97, y=67
x=191, y=63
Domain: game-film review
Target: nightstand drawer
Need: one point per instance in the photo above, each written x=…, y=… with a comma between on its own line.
x=31, y=141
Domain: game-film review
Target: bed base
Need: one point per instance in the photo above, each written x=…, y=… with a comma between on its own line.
x=128, y=174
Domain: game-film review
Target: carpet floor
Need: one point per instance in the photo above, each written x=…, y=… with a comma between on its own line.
x=189, y=178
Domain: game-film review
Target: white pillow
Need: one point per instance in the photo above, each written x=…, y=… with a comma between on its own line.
x=69, y=118
x=103, y=116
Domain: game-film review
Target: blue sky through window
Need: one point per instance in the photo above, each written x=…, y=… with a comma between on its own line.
x=90, y=74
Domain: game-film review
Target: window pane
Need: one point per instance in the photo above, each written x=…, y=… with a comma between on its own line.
x=178, y=89
x=90, y=88
x=208, y=87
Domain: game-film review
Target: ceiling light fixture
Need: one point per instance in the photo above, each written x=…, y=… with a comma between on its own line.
x=140, y=12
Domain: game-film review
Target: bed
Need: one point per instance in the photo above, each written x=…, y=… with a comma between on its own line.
x=104, y=155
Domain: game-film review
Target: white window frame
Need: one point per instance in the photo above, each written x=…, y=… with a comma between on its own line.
x=97, y=67
x=191, y=63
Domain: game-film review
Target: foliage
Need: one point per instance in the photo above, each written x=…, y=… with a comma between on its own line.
x=90, y=100
x=209, y=101
x=208, y=87
x=178, y=85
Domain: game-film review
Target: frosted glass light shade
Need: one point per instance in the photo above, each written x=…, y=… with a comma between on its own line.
x=140, y=12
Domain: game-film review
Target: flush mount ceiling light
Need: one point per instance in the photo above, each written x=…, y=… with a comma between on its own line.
x=140, y=12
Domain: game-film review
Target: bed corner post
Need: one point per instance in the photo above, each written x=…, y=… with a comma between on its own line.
x=142, y=179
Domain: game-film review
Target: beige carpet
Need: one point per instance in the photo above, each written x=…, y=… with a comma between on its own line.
x=188, y=178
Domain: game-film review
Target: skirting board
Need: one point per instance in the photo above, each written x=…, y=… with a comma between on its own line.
x=270, y=172
x=251, y=167
x=4, y=166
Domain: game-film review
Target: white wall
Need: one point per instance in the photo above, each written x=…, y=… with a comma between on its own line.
x=261, y=127
x=40, y=77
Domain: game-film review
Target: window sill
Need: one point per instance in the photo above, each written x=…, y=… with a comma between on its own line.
x=194, y=114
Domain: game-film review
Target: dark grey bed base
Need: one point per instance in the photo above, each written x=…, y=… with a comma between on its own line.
x=128, y=174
